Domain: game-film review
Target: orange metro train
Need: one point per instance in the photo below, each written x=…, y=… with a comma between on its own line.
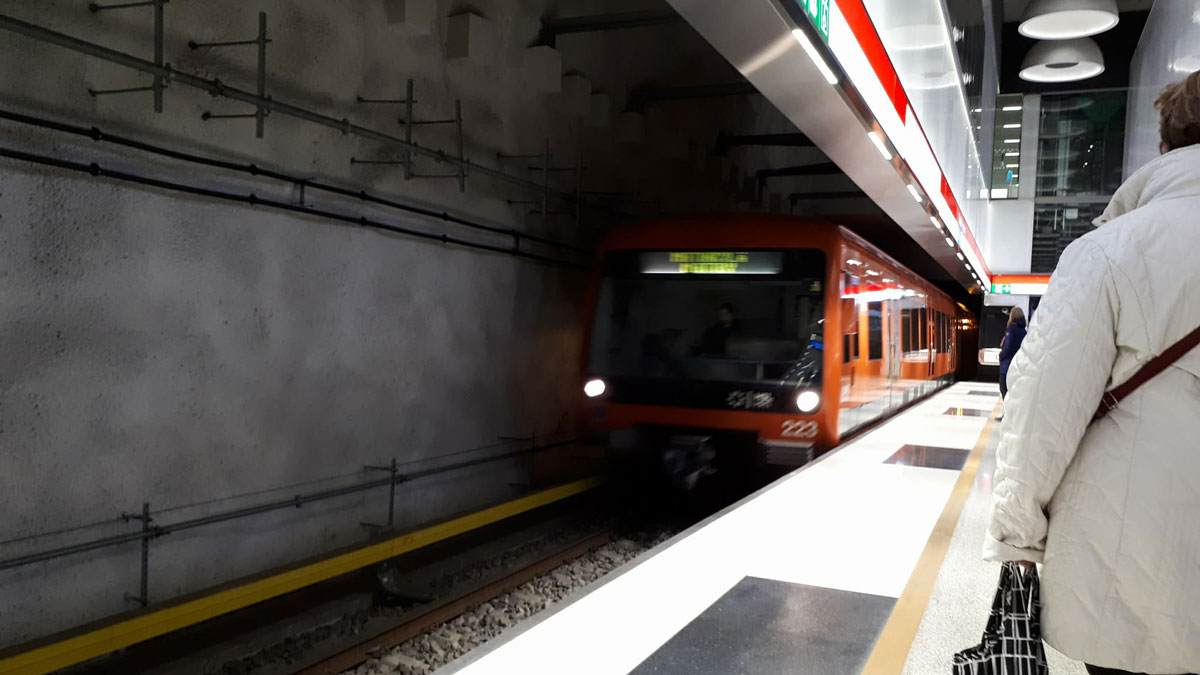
x=773, y=337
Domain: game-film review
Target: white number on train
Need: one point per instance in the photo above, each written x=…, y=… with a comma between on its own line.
x=799, y=428
x=750, y=400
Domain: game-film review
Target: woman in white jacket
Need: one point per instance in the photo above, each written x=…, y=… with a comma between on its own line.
x=1112, y=509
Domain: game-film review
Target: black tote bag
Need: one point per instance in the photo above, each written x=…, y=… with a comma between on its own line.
x=1012, y=641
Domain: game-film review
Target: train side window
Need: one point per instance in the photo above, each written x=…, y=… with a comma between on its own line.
x=875, y=331
x=906, y=331
x=935, y=330
x=923, y=341
x=846, y=348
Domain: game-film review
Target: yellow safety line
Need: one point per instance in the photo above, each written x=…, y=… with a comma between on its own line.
x=110, y=638
x=895, y=642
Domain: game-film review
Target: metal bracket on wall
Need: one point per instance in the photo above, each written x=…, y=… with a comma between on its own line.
x=159, y=84
x=546, y=169
x=408, y=102
x=532, y=449
x=409, y=122
x=544, y=155
x=260, y=113
x=143, y=598
x=396, y=478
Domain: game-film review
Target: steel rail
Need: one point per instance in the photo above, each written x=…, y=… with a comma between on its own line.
x=441, y=611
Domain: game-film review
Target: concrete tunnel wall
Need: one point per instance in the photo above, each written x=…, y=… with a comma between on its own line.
x=179, y=350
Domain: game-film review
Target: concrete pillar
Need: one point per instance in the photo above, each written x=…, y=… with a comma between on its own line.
x=414, y=17
x=630, y=128
x=469, y=37
x=543, y=70
x=599, y=114
x=576, y=95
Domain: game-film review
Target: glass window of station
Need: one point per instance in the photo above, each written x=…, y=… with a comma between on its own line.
x=1081, y=153
x=1006, y=148
x=736, y=317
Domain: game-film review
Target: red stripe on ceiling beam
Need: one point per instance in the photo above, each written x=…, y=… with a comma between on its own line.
x=868, y=38
x=1001, y=279
x=855, y=13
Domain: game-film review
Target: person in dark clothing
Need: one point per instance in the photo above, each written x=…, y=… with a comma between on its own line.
x=1013, y=335
x=712, y=343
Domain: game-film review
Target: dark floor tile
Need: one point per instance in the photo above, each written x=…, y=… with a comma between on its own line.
x=983, y=393
x=762, y=627
x=967, y=412
x=930, y=456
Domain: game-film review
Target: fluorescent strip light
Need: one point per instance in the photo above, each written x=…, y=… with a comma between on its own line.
x=880, y=145
x=912, y=190
x=949, y=242
x=1012, y=154
x=813, y=54
x=960, y=257
x=1012, y=126
x=1012, y=166
x=936, y=223
x=1011, y=108
x=1012, y=140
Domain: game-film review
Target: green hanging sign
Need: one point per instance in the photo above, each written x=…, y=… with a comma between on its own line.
x=817, y=12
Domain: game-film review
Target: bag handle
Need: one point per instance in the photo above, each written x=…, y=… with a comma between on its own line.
x=1113, y=397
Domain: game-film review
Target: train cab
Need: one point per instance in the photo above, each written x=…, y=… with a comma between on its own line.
x=766, y=338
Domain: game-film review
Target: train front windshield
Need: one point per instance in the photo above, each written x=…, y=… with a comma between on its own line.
x=751, y=319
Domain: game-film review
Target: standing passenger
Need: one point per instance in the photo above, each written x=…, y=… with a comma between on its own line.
x=1112, y=508
x=1014, y=334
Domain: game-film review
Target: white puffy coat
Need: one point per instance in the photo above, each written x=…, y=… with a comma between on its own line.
x=1113, y=509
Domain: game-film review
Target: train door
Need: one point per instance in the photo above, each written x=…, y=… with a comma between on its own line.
x=849, y=413
x=894, y=357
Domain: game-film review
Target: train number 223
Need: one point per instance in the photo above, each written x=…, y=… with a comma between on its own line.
x=799, y=428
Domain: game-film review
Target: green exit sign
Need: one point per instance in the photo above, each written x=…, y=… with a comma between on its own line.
x=1002, y=289
x=818, y=13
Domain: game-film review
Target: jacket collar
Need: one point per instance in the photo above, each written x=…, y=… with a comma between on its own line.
x=1175, y=174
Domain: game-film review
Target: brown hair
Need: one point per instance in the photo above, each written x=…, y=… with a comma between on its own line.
x=1015, y=315
x=1179, y=113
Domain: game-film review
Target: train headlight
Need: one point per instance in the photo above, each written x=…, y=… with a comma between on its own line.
x=594, y=388
x=807, y=401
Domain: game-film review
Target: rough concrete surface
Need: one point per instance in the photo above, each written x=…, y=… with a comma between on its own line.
x=201, y=355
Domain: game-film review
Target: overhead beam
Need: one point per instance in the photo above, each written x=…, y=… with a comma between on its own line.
x=795, y=140
x=820, y=169
x=643, y=96
x=553, y=27
x=838, y=194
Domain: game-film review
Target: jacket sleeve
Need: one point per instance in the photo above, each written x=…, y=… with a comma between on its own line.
x=1007, y=350
x=1054, y=385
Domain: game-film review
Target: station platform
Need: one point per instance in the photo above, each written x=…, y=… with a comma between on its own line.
x=864, y=561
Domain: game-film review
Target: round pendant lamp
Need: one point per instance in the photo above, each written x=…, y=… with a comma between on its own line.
x=1067, y=19
x=1063, y=61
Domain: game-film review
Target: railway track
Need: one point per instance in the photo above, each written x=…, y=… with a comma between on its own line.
x=447, y=609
